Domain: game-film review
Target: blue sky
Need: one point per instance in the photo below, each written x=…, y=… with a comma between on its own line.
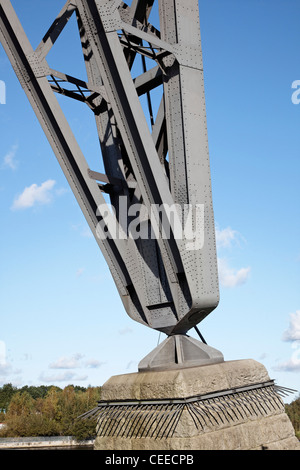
x=61, y=319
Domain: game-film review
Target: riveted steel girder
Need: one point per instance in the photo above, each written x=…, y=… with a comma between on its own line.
x=168, y=283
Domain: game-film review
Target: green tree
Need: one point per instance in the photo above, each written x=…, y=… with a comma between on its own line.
x=16, y=420
x=21, y=404
x=86, y=428
x=6, y=394
x=293, y=411
x=54, y=413
x=49, y=406
x=36, y=392
x=72, y=405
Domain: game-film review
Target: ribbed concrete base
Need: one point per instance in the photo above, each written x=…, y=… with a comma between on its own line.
x=227, y=406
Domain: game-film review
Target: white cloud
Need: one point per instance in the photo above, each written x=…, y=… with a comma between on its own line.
x=64, y=377
x=2, y=353
x=292, y=335
x=72, y=362
x=93, y=363
x=225, y=237
x=263, y=356
x=289, y=366
x=230, y=277
x=79, y=272
x=5, y=367
x=125, y=331
x=34, y=194
x=75, y=362
x=293, y=364
x=9, y=160
x=293, y=331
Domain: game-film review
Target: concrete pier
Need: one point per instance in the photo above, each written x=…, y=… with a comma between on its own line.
x=228, y=406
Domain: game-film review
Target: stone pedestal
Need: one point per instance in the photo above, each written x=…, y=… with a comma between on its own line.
x=226, y=406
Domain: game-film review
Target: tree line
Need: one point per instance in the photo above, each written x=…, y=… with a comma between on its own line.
x=51, y=411
x=47, y=411
x=293, y=411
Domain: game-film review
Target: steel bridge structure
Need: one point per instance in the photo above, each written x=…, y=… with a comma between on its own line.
x=155, y=160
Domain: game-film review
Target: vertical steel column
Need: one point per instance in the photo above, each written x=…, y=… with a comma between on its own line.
x=190, y=177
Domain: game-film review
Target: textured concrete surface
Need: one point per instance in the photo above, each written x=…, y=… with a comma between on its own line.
x=271, y=433
x=272, y=430
x=184, y=382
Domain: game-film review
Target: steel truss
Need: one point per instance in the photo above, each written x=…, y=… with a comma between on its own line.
x=162, y=284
